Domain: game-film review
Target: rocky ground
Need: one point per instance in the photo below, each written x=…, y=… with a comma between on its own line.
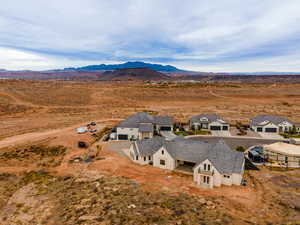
x=40, y=198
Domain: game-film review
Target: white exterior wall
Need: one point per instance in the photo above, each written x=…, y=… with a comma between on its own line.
x=214, y=179
x=270, y=125
x=143, y=135
x=217, y=179
x=217, y=123
x=286, y=126
x=237, y=178
x=195, y=124
x=227, y=181
x=141, y=159
x=133, y=133
x=170, y=162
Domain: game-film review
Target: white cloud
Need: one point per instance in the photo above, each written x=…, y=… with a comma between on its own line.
x=211, y=34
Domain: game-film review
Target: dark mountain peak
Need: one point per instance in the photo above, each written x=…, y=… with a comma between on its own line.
x=128, y=65
x=134, y=74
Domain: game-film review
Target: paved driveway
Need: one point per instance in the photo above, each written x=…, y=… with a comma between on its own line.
x=220, y=133
x=120, y=147
x=168, y=135
x=233, y=142
x=271, y=135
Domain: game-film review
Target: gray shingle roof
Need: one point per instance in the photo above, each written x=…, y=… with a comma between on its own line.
x=163, y=120
x=135, y=120
x=146, y=127
x=210, y=117
x=225, y=159
x=271, y=118
x=148, y=147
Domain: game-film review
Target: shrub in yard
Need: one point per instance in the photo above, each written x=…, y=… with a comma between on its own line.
x=240, y=149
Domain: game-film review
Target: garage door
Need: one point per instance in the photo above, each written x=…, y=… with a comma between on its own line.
x=271, y=130
x=165, y=128
x=225, y=127
x=122, y=137
x=215, y=127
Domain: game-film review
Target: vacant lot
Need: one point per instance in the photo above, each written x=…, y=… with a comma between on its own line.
x=27, y=106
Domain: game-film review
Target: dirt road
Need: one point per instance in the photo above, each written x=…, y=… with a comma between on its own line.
x=30, y=137
x=36, y=136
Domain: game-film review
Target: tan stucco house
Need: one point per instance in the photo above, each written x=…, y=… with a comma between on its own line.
x=211, y=165
x=286, y=155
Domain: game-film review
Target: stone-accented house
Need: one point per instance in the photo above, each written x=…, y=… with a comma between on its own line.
x=210, y=164
x=271, y=124
x=208, y=122
x=142, y=126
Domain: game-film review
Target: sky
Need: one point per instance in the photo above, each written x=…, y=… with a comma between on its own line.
x=199, y=35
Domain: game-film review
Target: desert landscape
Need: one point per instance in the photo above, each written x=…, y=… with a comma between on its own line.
x=40, y=161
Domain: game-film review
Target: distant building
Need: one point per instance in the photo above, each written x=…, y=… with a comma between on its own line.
x=208, y=122
x=283, y=154
x=211, y=165
x=271, y=124
x=297, y=126
x=143, y=125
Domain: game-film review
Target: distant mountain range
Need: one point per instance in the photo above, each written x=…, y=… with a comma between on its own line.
x=134, y=74
x=127, y=65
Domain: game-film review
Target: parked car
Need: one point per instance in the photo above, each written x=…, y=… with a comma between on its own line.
x=93, y=124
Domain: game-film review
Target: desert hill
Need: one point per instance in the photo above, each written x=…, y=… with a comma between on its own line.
x=134, y=74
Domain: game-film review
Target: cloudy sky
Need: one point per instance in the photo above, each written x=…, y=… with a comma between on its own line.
x=202, y=35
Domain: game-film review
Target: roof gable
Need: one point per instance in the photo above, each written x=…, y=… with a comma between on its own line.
x=263, y=119
x=207, y=117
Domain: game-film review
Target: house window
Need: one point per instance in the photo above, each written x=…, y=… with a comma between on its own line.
x=204, y=166
x=226, y=176
x=137, y=157
x=208, y=167
x=162, y=152
x=259, y=129
x=286, y=159
x=149, y=157
x=162, y=162
x=144, y=158
x=206, y=179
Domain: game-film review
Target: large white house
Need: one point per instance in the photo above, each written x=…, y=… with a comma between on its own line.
x=208, y=122
x=271, y=124
x=211, y=165
x=142, y=126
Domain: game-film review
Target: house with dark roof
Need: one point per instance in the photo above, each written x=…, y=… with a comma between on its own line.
x=143, y=125
x=208, y=122
x=211, y=165
x=271, y=124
